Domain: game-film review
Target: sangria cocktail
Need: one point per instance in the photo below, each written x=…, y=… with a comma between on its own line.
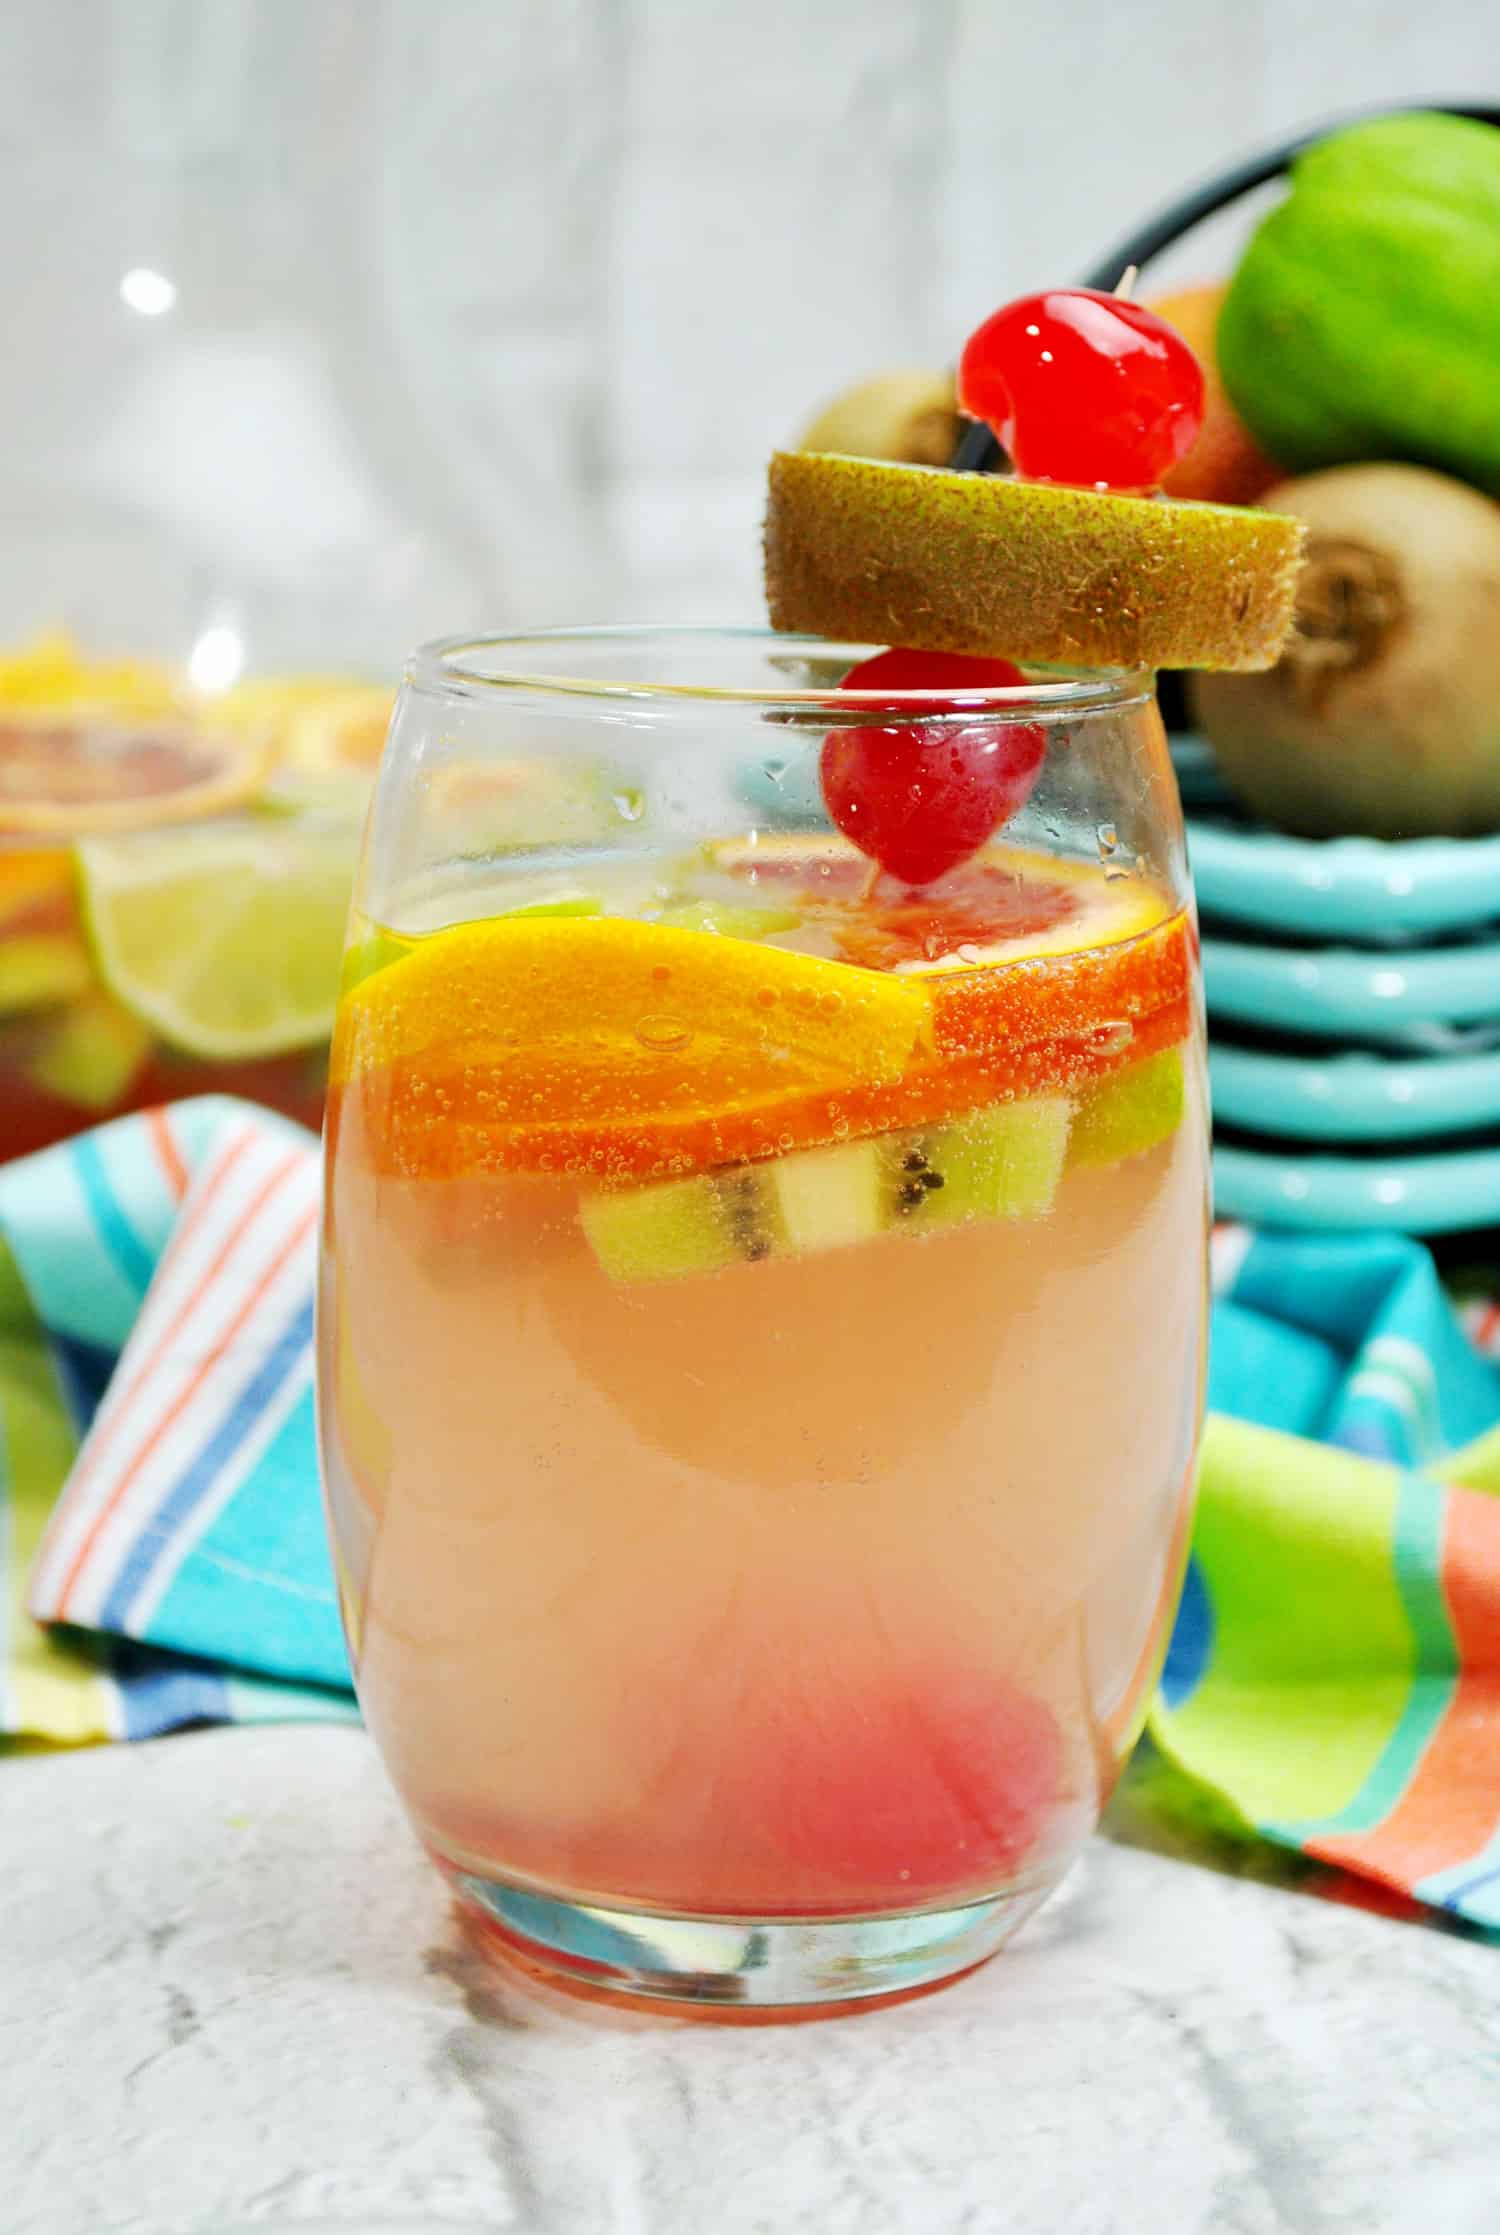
x=763, y=1285
x=762, y=1308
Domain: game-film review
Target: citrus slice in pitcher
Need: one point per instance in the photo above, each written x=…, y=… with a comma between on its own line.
x=225, y=939
x=338, y=731
x=67, y=774
x=51, y=672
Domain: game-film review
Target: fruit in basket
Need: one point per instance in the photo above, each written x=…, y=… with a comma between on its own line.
x=1383, y=715
x=1364, y=319
x=1225, y=465
x=872, y=552
x=908, y=415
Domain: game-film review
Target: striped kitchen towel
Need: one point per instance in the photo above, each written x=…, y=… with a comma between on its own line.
x=1334, y=1673
x=158, y=1489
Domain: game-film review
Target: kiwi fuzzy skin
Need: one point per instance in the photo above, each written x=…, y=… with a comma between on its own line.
x=877, y=553
x=1382, y=719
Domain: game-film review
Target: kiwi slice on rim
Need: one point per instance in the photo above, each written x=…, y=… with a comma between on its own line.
x=872, y=552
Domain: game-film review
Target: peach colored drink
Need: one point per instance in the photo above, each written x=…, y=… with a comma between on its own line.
x=772, y=1507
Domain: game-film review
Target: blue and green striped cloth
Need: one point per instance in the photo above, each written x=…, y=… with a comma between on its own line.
x=158, y=1475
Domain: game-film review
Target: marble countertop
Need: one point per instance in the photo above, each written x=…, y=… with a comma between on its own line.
x=232, y=1997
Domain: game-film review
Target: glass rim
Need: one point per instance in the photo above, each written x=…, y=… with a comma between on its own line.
x=442, y=665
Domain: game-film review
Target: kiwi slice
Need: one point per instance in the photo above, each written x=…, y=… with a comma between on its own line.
x=664, y=1231
x=1131, y=1111
x=880, y=553
x=1001, y=1163
x=827, y=1198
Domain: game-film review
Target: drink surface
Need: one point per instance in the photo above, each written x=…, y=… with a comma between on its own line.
x=761, y=1329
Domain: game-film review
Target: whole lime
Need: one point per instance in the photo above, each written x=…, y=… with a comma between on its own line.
x=1364, y=319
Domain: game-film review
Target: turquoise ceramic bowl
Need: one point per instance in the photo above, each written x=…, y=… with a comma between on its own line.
x=1427, y=1194
x=1343, y=993
x=1353, y=1096
x=1348, y=889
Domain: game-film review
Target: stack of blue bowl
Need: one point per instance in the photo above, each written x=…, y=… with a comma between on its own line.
x=1353, y=991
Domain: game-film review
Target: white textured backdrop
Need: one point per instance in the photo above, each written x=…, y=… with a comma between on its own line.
x=487, y=311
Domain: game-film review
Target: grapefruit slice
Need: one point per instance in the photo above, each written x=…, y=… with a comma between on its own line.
x=75, y=774
x=1001, y=904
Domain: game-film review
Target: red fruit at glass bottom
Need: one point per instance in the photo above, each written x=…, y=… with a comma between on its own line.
x=920, y=797
x=940, y=1783
x=1084, y=387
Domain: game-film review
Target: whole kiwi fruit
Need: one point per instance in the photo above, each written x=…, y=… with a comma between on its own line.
x=1382, y=716
x=908, y=415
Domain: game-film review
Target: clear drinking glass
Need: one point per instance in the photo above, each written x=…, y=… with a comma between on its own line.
x=762, y=1311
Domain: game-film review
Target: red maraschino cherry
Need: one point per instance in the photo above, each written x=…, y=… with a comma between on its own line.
x=1084, y=387
x=920, y=797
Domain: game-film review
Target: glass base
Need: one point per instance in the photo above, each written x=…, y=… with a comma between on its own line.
x=737, y=1968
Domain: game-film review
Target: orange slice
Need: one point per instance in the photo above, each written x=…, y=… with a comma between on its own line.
x=442, y=1096
x=613, y=999
x=81, y=774
x=453, y=1124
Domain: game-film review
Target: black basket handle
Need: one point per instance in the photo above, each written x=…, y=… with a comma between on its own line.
x=977, y=450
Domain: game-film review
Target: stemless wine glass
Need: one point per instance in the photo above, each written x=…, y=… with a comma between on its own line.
x=762, y=1308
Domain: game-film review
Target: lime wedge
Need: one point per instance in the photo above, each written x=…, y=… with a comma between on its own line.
x=225, y=939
